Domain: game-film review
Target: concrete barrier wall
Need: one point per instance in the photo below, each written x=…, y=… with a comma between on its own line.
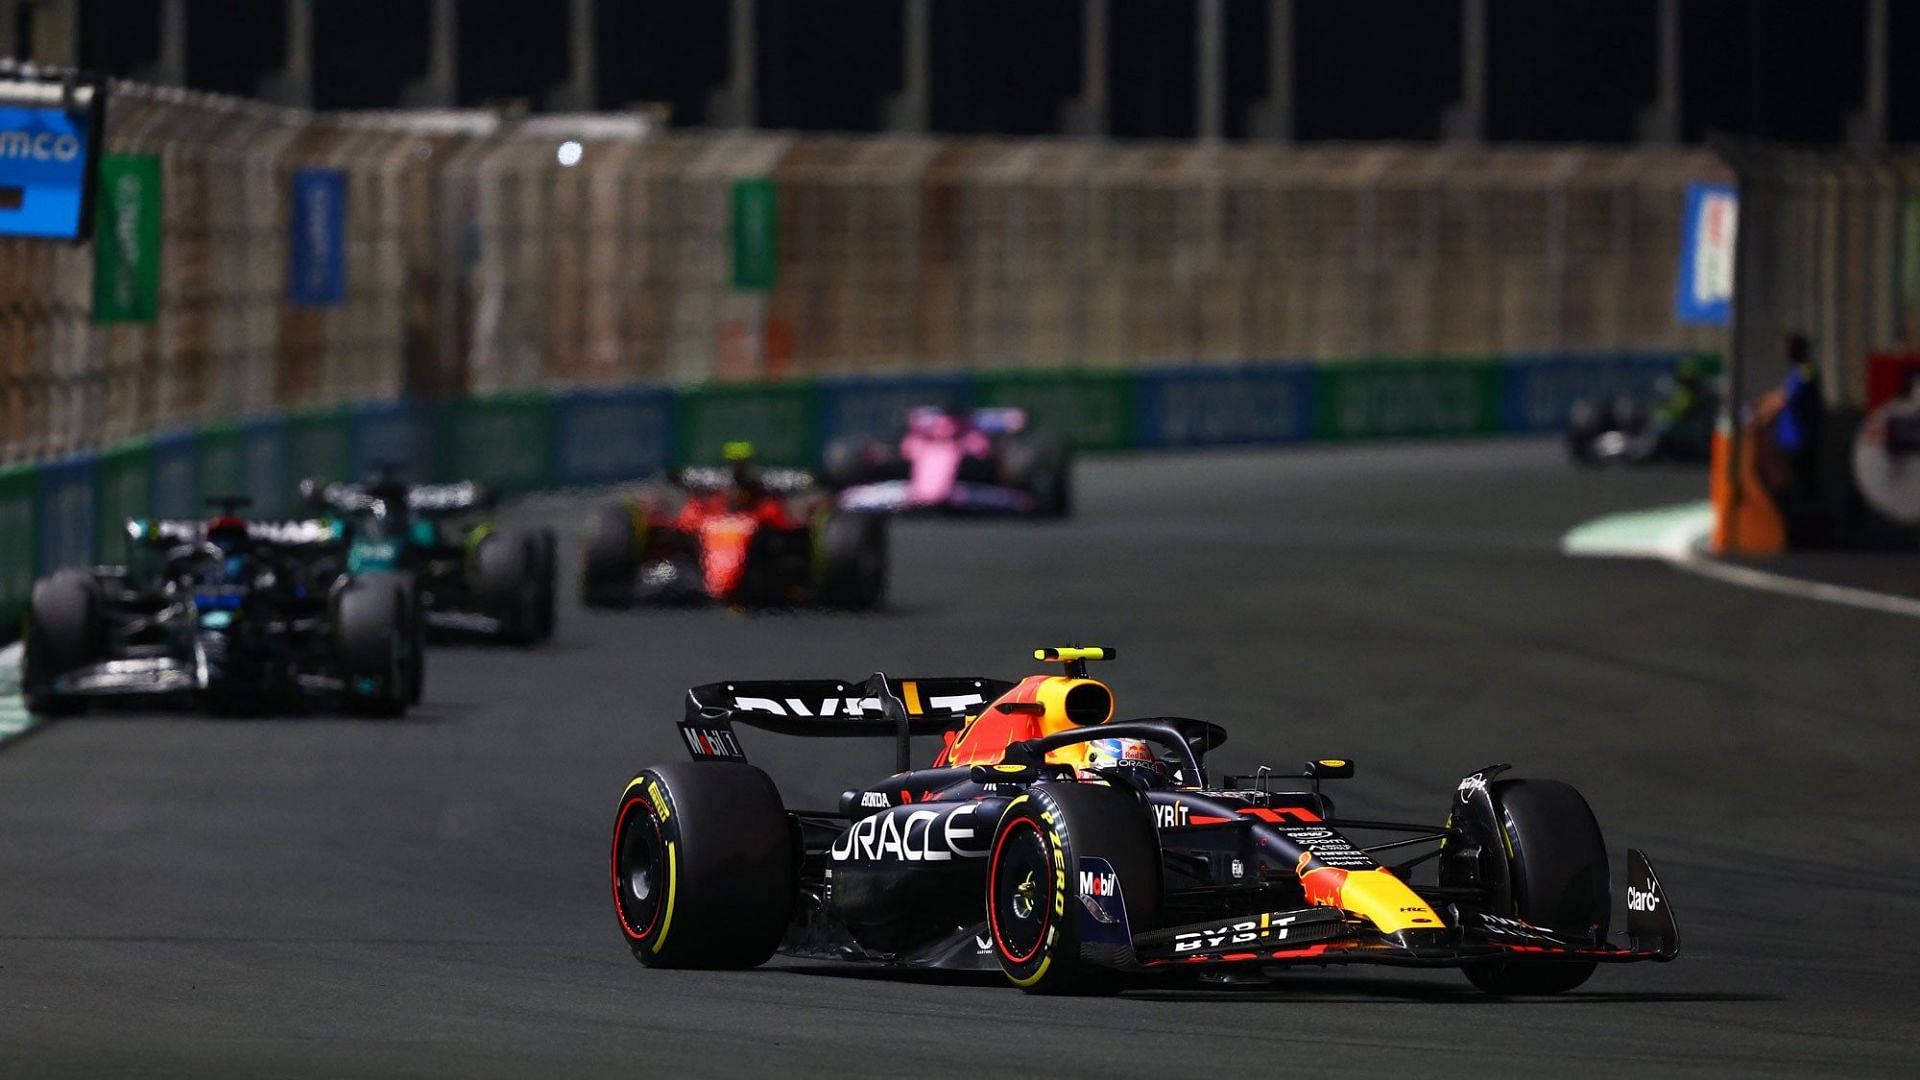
x=71, y=511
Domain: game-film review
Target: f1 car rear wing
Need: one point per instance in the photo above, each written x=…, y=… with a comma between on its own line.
x=779, y=481
x=298, y=532
x=427, y=500
x=873, y=708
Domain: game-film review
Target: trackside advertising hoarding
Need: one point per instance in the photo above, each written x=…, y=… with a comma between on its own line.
x=73, y=511
x=1707, y=242
x=49, y=130
x=317, y=239
x=126, y=245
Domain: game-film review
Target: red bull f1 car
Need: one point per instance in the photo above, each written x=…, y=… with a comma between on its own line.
x=980, y=461
x=1077, y=853
x=741, y=536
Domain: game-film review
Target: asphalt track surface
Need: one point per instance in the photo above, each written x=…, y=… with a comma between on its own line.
x=294, y=897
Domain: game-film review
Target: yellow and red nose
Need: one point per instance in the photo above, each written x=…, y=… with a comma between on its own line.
x=1376, y=895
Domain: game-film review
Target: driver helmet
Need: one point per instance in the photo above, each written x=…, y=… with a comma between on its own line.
x=229, y=534
x=1122, y=753
x=746, y=475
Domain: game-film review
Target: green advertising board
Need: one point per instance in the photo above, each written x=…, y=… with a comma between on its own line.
x=503, y=442
x=123, y=489
x=126, y=240
x=756, y=234
x=780, y=420
x=1091, y=410
x=320, y=446
x=1399, y=398
x=223, y=460
x=19, y=538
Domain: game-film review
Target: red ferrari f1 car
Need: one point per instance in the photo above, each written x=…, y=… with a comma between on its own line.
x=1077, y=853
x=745, y=536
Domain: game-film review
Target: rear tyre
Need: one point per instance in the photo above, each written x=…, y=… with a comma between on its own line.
x=507, y=566
x=65, y=630
x=608, y=561
x=370, y=644
x=547, y=576
x=856, y=561
x=1558, y=881
x=1048, y=848
x=1043, y=468
x=704, y=870
x=1585, y=421
x=415, y=663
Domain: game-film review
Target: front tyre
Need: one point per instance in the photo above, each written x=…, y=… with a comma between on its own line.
x=1073, y=874
x=704, y=871
x=855, y=560
x=65, y=630
x=608, y=559
x=1558, y=881
x=371, y=639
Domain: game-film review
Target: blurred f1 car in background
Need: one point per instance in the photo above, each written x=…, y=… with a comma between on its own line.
x=1677, y=426
x=469, y=574
x=242, y=616
x=1079, y=854
x=954, y=459
x=738, y=535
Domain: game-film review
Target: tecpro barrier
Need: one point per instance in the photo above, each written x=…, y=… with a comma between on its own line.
x=72, y=511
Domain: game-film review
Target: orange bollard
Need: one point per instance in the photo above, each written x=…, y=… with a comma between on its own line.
x=1750, y=524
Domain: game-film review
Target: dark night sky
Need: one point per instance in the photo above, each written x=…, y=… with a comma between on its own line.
x=1365, y=69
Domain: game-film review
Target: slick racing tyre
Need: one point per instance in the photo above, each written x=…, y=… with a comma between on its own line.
x=1043, y=468
x=855, y=561
x=507, y=566
x=1073, y=874
x=704, y=870
x=547, y=576
x=65, y=630
x=416, y=638
x=372, y=643
x=1586, y=420
x=607, y=560
x=1559, y=881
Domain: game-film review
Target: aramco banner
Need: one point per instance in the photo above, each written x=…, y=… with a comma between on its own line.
x=48, y=132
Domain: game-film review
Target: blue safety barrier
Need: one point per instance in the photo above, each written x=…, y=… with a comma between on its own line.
x=1225, y=404
x=607, y=436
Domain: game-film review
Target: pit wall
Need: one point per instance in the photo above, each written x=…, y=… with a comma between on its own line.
x=71, y=511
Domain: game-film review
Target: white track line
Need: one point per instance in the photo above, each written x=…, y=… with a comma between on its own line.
x=1866, y=599
x=1678, y=537
x=14, y=717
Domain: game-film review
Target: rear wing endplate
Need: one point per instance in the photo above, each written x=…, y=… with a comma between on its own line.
x=877, y=707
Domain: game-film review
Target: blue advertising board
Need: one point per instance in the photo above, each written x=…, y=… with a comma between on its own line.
x=46, y=159
x=317, y=246
x=397, y=435
x=607, y=436
x=1708, y=233
x=175, y=490
x=877, y=406
x=1537, y=393
x=1225, y=404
